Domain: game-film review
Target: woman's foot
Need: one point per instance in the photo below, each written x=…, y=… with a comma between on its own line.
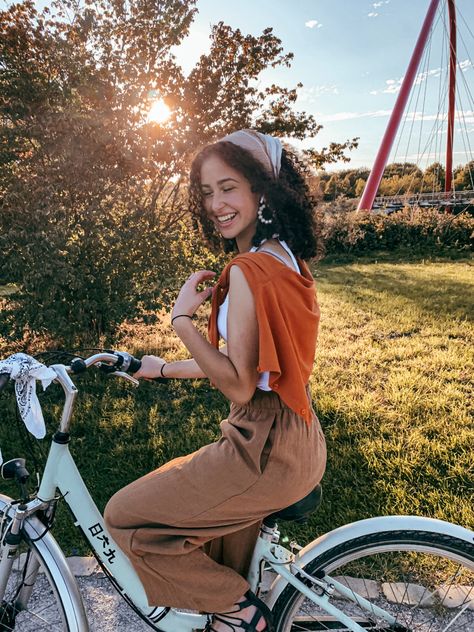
x=247, y=614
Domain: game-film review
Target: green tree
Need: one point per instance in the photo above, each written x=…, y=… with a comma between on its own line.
x=332, y=188
x=400, y=169
x=92, y=194
x=359, y=187
x=463, y=177
x=434, y=178
x=346, y=187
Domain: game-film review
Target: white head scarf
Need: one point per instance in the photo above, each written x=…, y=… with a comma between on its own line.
x=264, y=148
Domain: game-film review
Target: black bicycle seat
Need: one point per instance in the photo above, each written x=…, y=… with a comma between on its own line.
x=300, y=511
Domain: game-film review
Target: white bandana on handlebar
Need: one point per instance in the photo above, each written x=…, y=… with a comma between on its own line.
x=25, y=370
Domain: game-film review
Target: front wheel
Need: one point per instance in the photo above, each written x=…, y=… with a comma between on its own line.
x=32, y=601
x=401, y=581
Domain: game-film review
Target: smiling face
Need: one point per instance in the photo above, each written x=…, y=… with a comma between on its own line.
x=229, y=201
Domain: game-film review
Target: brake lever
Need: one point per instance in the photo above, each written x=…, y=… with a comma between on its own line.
x=126, y=376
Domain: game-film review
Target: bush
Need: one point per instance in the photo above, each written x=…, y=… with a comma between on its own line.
x=82, y=279
x=422, y=231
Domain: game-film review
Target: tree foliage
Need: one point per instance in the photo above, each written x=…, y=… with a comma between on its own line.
x=91, y=194
x=398, y=179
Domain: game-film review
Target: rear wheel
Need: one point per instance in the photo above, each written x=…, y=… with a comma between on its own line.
x=32, y=601
x=423, y=581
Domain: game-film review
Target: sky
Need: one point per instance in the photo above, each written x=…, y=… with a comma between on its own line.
x=351, y=56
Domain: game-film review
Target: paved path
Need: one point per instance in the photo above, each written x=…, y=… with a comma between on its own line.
x=108, y=612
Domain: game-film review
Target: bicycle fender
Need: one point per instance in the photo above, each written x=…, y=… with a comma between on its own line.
x=52, y=558
x=363, y=528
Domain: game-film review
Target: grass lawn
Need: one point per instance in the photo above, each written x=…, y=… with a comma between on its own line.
x=392, y=385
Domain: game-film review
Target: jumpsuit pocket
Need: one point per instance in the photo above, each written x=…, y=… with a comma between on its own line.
x=267, y=448
x=253, y=436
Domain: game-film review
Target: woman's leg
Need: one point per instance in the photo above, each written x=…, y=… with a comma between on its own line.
x=169, y=559
x=162, y=520
x=235, y=549
x=213, y=501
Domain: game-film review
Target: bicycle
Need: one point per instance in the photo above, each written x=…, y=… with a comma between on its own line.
x=389, y=574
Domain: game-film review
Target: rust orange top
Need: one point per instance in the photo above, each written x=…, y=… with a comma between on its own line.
x=288, y=321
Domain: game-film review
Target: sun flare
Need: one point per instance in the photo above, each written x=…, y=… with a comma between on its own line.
x=159, y=112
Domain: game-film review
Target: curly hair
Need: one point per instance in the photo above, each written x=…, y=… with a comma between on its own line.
x=288, y=199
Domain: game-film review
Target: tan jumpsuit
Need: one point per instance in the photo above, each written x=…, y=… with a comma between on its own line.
x=190, y=526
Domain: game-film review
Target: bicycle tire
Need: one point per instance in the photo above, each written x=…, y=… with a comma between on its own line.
x=45, y=610
x=419, y=577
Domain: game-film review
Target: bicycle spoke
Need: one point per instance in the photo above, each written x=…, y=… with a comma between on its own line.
x=42, y=611
x=44, y=621
x=404, y=588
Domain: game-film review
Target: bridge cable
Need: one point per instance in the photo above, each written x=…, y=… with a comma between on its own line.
x=465, y=138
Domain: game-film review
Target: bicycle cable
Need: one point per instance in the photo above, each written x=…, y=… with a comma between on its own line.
x=50, y=519
x=116, y=585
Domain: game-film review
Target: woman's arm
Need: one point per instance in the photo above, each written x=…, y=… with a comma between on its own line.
x=235, y=375
x=151, y=367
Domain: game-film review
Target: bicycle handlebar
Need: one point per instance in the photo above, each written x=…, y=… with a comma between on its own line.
x=114, y=362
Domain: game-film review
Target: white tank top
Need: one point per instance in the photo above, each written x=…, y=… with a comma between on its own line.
x=263, y=379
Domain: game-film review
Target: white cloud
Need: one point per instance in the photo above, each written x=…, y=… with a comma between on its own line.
x=393, y=85
x=461, y=117
x=313, y=23
x=423, y=76
x=346, y=116
x=465, y=65
x=376, y=5
x=466, y=116
x=458, y=130
x=311, y=94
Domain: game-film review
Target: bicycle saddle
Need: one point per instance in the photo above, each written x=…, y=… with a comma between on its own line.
x=298, y=512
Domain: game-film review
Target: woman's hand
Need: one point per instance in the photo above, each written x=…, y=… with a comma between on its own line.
x=151, y=367
x=189, y=299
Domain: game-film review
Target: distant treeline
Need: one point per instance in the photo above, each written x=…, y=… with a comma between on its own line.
x=399, y=178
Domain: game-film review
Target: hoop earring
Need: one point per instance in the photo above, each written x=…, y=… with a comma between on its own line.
x=262, y=206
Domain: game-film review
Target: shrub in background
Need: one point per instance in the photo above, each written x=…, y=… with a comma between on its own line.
x=422, y=231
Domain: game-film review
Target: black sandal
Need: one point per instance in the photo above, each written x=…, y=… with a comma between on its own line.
x=251, y=600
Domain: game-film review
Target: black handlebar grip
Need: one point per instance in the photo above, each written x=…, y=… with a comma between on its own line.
x=4, y=377
x=78, y=366
x=135, y=365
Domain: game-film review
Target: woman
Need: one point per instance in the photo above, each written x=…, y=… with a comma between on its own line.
x=190, y=527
